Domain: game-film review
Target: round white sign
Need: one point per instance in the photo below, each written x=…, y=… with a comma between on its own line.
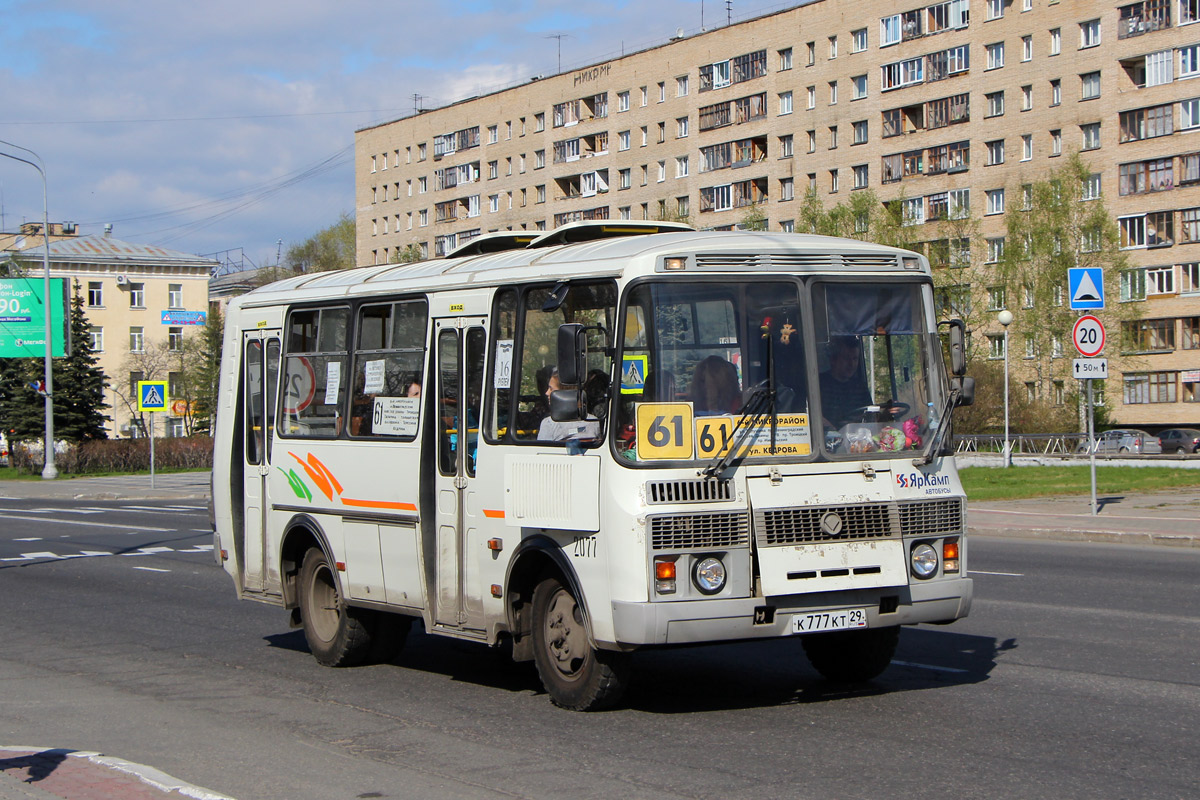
x=1088, y=335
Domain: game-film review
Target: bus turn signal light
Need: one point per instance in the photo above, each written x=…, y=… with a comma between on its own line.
x=664, y=575
x=495, y=544
x=950, y=555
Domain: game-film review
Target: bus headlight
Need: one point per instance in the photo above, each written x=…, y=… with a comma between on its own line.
x=924, y=560
x=709, y=575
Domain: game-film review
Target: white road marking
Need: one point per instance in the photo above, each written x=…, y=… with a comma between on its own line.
x=90, y=524
x=65, y=510
x=157, y=509
x=149, y=551
x=151, y=569
x=1005, y=574
x=200, y=548
x=40, y=555
x=29, y=538
x=96, y=553
x=928, y=666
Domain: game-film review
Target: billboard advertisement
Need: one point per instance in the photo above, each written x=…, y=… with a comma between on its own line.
x=23, y=317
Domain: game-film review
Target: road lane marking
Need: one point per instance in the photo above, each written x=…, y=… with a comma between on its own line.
x=930, y=667
x=29, y=539
x=153, y=569
x=89, y=524
x=65, y=510
x=1005, y=574
x=149, y=551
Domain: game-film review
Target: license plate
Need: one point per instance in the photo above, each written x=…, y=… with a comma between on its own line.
x=846, y=619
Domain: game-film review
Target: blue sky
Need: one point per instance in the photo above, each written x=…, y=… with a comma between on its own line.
x=217, y=125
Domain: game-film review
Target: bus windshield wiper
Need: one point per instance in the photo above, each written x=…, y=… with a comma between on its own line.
x=935, y=441
x=760, y=405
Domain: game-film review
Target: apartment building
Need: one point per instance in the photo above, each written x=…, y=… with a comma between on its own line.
x=945, y=104
x=136, y=297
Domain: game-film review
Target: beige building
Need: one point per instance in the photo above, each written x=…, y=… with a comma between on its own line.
x=136, y=297
x=943, y=104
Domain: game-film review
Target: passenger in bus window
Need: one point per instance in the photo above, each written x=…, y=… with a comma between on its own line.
x=574, y=430
x=715, y=387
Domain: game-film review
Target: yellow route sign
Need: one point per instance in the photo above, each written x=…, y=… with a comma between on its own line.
x=664, y=431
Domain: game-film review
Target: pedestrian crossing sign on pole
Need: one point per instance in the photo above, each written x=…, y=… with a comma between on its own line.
x=152, y=396
x=1086, y=285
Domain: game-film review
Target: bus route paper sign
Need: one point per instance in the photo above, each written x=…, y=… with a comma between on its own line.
x=152, y=396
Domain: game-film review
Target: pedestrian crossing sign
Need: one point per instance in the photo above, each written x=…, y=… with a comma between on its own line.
x=152, y=396
x=1086, y=285
x=633, y=374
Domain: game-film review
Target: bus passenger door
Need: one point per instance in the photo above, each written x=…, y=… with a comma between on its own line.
x=461, y=354
x=260, y=367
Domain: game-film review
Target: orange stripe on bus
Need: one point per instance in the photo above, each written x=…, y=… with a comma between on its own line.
x=316, y=476
x=493, y=513
x=378, y=504
x=316, y=462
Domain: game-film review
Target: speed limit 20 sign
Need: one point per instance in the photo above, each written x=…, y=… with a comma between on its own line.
x=1088, y=336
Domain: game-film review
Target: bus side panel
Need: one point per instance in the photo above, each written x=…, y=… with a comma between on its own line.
x=228, y=456
x=402, y=569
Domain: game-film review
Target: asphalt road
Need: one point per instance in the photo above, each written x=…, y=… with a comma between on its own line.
x=1076, y=675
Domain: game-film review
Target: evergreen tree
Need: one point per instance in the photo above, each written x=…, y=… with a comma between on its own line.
x=203, y=372
x=79, y=383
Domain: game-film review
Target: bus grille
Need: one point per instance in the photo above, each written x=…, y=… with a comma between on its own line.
x=794, y=261
x=688, y=491
x=931, y=518
x=780, y=526
x=699, y=531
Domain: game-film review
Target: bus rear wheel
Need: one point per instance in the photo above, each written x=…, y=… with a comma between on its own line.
x=852, y=656
x=337, y=635
x=577, y=676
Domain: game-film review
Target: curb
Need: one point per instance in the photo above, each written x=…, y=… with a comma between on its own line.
x=150, y=776
x=1083, y=535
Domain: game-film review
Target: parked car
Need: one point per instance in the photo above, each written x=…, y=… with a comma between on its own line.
x=1124, y=440
x=1180, y=440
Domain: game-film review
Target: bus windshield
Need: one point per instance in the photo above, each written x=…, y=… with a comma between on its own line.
x=710, y=367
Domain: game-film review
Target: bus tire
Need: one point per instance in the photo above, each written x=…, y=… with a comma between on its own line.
x=337, y=635
x=852, y=656
x=576, y=675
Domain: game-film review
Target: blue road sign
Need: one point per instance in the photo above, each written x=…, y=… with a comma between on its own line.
x=1086, y=287
x=152, y=396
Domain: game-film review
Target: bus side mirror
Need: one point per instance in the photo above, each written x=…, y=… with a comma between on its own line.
x=572, y=354
x=565, y=405
x=966, y=391
x=958, y=353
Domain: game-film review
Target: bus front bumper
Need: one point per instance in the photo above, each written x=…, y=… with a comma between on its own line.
x=697, y=621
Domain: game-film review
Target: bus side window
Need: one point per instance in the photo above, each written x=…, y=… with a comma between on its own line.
x=314, y=377
x=504, y=333
x=389, y=358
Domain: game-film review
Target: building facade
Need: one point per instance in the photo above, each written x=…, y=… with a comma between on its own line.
x=139, y=300
x=947, y=105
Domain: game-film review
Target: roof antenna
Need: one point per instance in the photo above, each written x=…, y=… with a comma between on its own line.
x=559, y=37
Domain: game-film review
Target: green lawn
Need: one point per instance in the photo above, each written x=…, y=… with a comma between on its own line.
x=997, y=483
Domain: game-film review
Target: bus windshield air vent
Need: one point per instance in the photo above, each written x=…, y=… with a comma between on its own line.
x=688, y=491
x=874, y=261
x=727, y=261
x=806, y=525
x=699, y=531
x=931, y=517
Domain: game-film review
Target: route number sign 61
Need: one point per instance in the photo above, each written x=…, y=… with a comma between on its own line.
x=1088, y=335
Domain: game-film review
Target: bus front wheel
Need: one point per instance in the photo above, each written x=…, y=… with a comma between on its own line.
x=852, y=656
x=337, y=635
x=576, y=675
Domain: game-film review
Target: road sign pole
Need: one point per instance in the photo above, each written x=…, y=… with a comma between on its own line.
x=1092, y=444
x=152, y=451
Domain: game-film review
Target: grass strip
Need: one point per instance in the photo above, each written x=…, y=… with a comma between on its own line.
x=1015, y=483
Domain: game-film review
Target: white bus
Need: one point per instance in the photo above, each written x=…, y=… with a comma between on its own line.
x=609, y=437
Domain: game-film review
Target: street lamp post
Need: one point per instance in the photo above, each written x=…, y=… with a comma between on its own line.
x=1005, y=318
x=49, y=471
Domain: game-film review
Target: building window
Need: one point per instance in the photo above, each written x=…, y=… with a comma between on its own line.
x=623, y=140
x=833, y=139
x=622, y=101
x=1189, y=61
x=995, y=252
x=785, y=59
x=174, y=339
x=624, y=178
x=812, y=141
x=1091, y=135
x=1026, y=146
x=858, y=40
x=681, y=166
x=995, y=201
x=1026, y=98
x=1150, y=387
x=859, y=83
x=137, y=295
x=861, y=177
x=833, y=181
x=1189, y=114
x=860, y=132
x=1056, y=143
x=137, y=340
x=913, y=211
x=1089, y=85
x=995, y=9
x=175, y=294
x=1056, y=92
x=833, y=93
x=785, y=146
x=995, y=104
x=787, y=189
x=1133, y=235
x=1055, y=41
x=96, y=334
x=995, y=152
x=681, y=86
x=995, y=346
x=832, y=47
x=1091, y=187
x=995, y=55
x=1189, y=232
x=812, y=97
x=95, y=294
x=811, y=48
x=681, y=128
x=1089, y=33
x=785, y=103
